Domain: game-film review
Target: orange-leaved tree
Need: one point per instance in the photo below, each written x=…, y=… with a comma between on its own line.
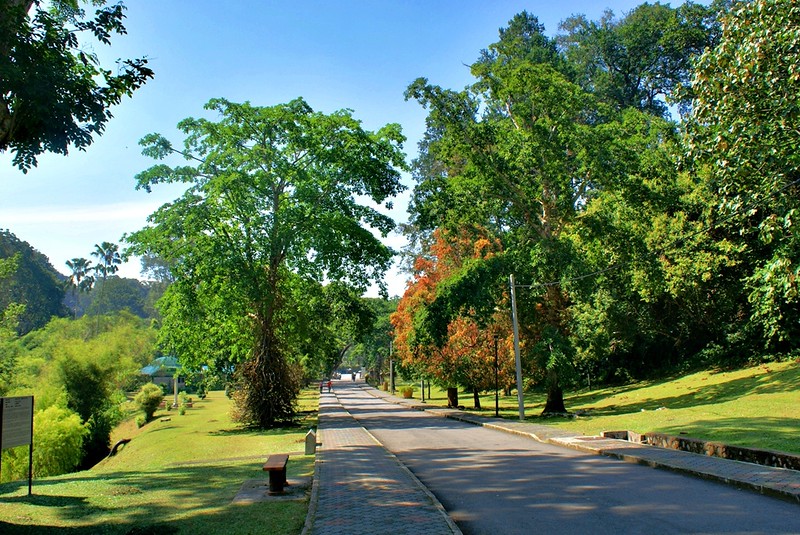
x=467, y=357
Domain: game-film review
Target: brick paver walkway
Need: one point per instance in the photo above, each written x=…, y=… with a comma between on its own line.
x=362, y=488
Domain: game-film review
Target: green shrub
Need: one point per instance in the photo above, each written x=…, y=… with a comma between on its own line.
x=59, y=441
x=59, y=436
x=148, y=399
x=407, y=392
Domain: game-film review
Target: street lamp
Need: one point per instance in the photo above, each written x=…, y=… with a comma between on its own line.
x=496, y=390
x=516, y=348
x=391, y=368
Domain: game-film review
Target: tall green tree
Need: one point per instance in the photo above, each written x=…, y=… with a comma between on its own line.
x=555, y=144
x=54, y=93
x=665, y=288
x=642, y=59
x=272, y=193
x=530, y=146
x=743, y=138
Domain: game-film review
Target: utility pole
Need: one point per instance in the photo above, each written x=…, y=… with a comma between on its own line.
x=496, y=381
x=391, y=368
x=515, y=323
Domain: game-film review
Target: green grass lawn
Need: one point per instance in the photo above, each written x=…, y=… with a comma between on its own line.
x=176, y=476
x=755, y=407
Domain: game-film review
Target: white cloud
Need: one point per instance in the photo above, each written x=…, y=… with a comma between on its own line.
x=72, y=215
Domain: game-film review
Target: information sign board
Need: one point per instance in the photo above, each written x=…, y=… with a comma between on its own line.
x=16, y=415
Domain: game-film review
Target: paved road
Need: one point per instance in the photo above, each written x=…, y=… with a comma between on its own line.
x=492, y=482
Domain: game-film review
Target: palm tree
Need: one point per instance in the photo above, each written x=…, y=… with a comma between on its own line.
x=79, y=279
x=108, y=258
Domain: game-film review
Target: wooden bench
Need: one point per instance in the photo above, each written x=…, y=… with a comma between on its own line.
x=276, y=466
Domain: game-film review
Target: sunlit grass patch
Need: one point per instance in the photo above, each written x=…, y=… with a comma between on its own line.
x=755, y=407
x=179, y=474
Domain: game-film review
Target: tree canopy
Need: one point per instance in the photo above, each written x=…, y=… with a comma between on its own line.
x=54, y=94
x=743, y=133
x=564, y=150
x=273, y=194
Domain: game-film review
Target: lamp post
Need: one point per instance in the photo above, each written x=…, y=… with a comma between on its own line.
x=391, y=368
x=516, y=348
x=496, y=382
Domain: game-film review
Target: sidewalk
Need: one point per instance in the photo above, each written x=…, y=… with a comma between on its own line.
x=778, y=482
x=360, y=487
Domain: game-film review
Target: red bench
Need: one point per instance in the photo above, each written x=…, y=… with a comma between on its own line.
x=276, y=466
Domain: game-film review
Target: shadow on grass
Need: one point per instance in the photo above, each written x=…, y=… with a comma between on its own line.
x=774, y=382
x=287, y=429
x=187, y=499
x=593, y=396
x=40, y=500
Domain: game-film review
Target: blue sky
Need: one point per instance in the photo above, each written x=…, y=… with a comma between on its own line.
x=354, y=54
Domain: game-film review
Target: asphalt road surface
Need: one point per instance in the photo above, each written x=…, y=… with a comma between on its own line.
x=496, y=483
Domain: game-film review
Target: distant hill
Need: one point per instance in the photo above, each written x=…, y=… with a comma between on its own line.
x=46, y=293
x=36, y=283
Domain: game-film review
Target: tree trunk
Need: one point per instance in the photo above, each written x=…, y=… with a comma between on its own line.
x=268, y=387
x=555, y=395
x=452, y=398
x=476, y=398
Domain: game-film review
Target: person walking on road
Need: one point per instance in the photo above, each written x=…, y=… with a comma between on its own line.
x=330, y=384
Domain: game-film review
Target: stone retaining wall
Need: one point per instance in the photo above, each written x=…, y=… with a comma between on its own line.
x=776, y=459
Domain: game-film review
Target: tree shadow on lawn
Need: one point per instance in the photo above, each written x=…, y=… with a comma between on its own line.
x=594, y=396
x=287, y=429
x=769, y=383
x=176, y=498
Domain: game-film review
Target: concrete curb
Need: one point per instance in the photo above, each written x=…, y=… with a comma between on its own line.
x=313, y=500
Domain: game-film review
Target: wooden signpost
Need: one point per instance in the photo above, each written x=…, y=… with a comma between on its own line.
x=16, y=428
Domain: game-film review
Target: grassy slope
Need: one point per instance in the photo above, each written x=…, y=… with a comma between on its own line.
x=756, y=407
x=176, y=476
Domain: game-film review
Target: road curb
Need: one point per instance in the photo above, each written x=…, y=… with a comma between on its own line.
x=313, y=500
